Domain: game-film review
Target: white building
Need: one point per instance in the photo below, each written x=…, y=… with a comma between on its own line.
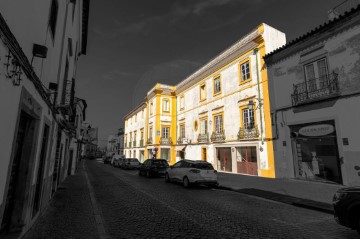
x=315, y=97
x=40, y=43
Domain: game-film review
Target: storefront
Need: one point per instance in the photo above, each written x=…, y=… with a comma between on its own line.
x=315, y=152
x=246, y=160
x=224, y=159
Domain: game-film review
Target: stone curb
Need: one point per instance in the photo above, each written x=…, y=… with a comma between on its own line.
x=295, y=201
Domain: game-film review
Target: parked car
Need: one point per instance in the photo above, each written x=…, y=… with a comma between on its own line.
x=114, y=160
x=106, y=159
x=346, y=202
x=130, y=163
x=153, y=167
x=192, y=172
x=118, y=162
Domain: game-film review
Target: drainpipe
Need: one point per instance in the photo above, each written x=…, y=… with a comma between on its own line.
x=256, y=50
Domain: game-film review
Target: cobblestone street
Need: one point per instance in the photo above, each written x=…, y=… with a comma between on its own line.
x=138, y=207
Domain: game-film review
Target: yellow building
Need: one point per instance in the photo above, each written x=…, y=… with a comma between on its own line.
x=220, y=113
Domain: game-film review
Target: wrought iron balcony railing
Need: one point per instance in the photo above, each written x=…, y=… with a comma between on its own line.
x=182, y=140
x=311, y=90
x=218, y=137
x=203, y=138
x=165, y=140
x=250, y=133
x=141, y=143
x=150, y=141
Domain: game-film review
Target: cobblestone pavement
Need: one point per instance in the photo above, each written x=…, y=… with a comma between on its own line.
x=138, y=207
x=69, y=213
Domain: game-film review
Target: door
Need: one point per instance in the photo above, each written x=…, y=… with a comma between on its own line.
x=224, y=159
x=40, y=171
x=16, y=187
x=246, y=158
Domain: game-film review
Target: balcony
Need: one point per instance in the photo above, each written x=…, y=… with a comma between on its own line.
x=141, y=143
x=218, y=137
x=251, y=133
x=134, y=143
x=165, y=140
x=182, y=140
x=150, y=141
x=203, y=138
x=316, y=89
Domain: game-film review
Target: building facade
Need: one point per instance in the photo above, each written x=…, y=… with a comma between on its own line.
x=38, y=130
x=220, y=113
x=315, y=96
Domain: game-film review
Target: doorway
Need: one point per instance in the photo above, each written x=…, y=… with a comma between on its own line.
x=224, y=159
x=15, y=198
x=246, y=159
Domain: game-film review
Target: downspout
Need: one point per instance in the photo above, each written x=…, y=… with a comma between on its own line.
x=256, y=50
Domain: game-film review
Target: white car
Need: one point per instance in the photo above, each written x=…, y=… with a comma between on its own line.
x=192, y=172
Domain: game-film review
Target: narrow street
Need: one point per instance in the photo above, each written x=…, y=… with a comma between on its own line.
x=138, y=207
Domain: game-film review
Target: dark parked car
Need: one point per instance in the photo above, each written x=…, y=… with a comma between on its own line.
x=107, y=160
x=130, y=163
x=346, y=202
x=153, y=167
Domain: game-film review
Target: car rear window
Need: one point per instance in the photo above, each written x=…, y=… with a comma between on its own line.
x=205, y=166
x=159, y=162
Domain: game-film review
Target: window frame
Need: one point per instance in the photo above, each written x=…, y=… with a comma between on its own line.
x=246, y=107
x=222, y=122
x=241, y=81
x=205, y=92
x=220, y=84
x=201, y=125
x=162, y=131
x=317, y=76
x=164, y=104
x=182, y=125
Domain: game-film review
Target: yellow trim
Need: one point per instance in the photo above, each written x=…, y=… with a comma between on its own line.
x=241, y=82
x=157, y=119
x=270, y=172
x=151, y=107
x=205, y=92
x=222, y=122
x=173, y=130
x=213, y=81
x=261, y=28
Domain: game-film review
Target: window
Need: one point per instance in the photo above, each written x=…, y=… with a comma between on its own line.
x=245, y=71
x=316, y=74
x=134, y=136
x=203, y=92
x=203, y=126
x=218, y=123
x=53, y=17
x=150, y=132
x=166, y=105
x=182, y=131
x=217, y=85
x=151, y=107
x=182, y=102
x=165, y=132
x=248, y=118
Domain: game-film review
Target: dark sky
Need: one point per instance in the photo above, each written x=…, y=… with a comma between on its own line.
x=133, y=44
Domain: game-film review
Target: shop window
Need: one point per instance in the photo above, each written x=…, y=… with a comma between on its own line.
x=217, y=85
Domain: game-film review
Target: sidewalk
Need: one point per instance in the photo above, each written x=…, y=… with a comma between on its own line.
x=69, y=214
x=313, y=195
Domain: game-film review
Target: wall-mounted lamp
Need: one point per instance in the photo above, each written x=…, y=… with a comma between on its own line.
x=39, y=51
x=251, y=104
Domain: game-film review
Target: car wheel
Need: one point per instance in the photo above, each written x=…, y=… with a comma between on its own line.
x=186, y=182
x=167, y=178
x=148, y=174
